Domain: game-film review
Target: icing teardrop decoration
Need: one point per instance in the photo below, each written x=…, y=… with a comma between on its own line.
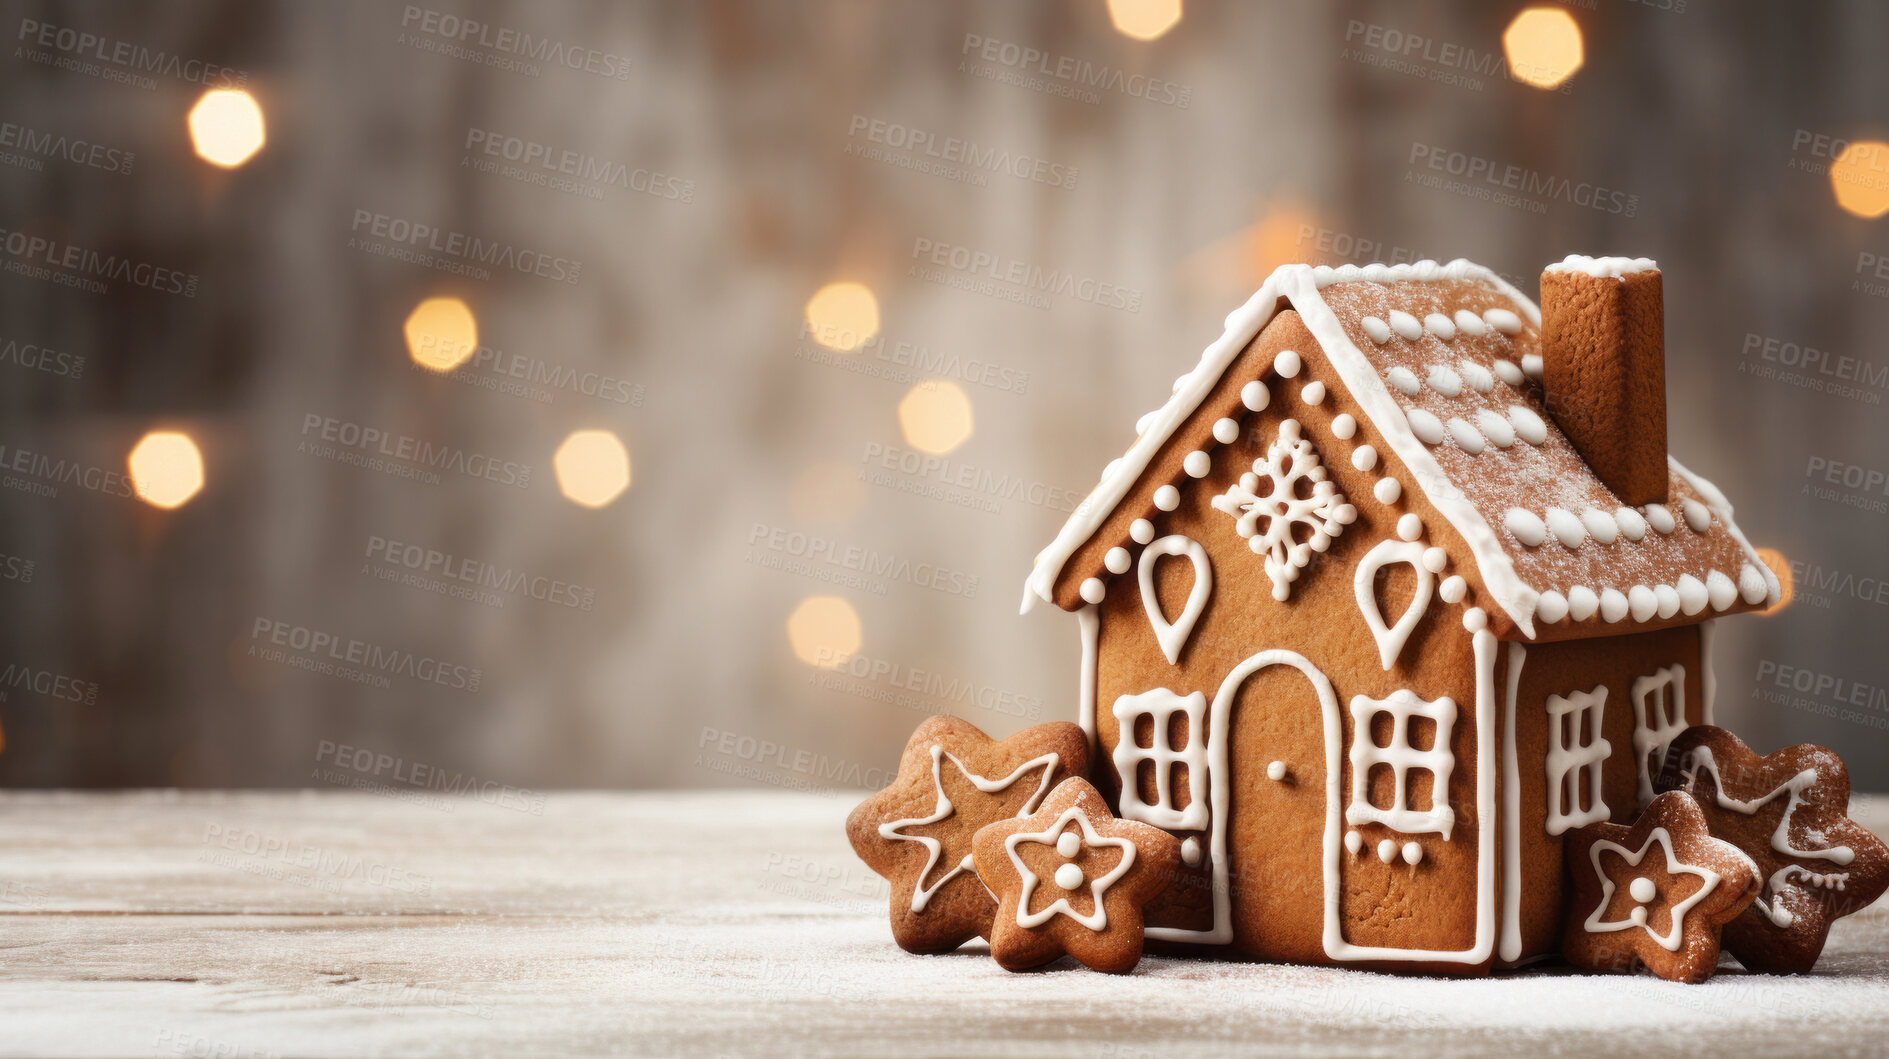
x=1391, y=638
x=1172, y=636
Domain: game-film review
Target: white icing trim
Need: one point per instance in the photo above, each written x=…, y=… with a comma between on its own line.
x=1567, y=763
x=1090, y=620
x=1604, y=267
x=1391, y=639
x=1096, y=920
x=1708, y=680
x=1402, y=757
x=1298, y=286
x=1159, y=706
x=1512, y=815
x=1722, y=508
x=1658, y=722
x=1670, y=942
x=921, y=894
x=1172, y=637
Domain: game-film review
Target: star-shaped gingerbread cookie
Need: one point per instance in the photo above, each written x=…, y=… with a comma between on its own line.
x=1788, y=812
x=1654, y=894
x=1071, y=879
x=954, y=779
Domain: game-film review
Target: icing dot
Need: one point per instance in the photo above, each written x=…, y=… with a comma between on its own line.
x=1379, y=331
x=1600, y=525
x=1440, y=326
x=1567, y=529
x=1197, y=464
x=1141, y=531
x=1692, y=596
x=1697, y=516
x=1526, y=526
x=1116, y=560
x=1069, y=844
x=1093, y=590
x=1719, y=590
x=1582, y=602
x=1387, y=490
x=1470, y=324
x=1445, y=381
x=1477, y=376
x=1167, y=498
x=1643, y=890
x=1190, y=850
x=1508, y=372
x=1344, y=426
x=1435, y=559
x=1427, y=427
x=1641, y=602
x=1495, y=428
x=1314, y=393
x=1552, y=606
x=1751, y=584
x=1531, y=365
x=1069, y=877
x=1276, y=770
x=1453, y=589
x=1287, y=364
x=1353, y=841
x=1141, y=425
x=1668, y=600
x=1364, y=457
x=1409, y=527
x=1661, y=518
x=1504, y=321
x=1403, y=378
x=1406, y=325
x=1226, y=431
x=1613, y=605
x=1387, y=851
x=1467, y=437
x=1632, y=526
x=1528, y=425
x=1255, y=396
x=1475, y=620
x=1412, y=853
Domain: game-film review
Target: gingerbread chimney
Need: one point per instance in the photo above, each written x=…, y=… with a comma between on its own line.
x=1603, y=362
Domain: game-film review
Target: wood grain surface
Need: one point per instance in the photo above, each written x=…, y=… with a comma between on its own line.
x=723, y=923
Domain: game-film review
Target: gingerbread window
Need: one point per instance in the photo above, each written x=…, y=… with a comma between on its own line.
x=1575, y=755
x=1161, y=758
x=1406, y=740
x=1659, y=715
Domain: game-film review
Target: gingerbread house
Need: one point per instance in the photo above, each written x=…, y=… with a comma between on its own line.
x=1398, y=587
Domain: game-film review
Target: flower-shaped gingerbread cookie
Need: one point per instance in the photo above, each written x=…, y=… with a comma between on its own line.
x=1787, y=811
x=1656, y=893
x=1071, y=879
x=954, y=779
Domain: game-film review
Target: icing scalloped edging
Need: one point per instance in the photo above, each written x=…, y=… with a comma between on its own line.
x=1298, y=286
x=1605, y=267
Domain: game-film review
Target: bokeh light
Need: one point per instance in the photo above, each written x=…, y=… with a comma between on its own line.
x=166, y=468
x=824, y=631
x=441, y=333
x=936, y=416
x=843, y=316
x=226, y=127
x=1144, y=19
x=1860, y=178
x=1543, y=45
x=1780, y=566
x=592, y=467
x=826, y=492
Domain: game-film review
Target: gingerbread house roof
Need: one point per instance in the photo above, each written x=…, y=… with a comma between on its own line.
x=1445, y=362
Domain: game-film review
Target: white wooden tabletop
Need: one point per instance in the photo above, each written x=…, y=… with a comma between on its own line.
x=250, y=924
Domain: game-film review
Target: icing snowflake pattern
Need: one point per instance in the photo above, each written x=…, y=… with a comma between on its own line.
x=1286, y=508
